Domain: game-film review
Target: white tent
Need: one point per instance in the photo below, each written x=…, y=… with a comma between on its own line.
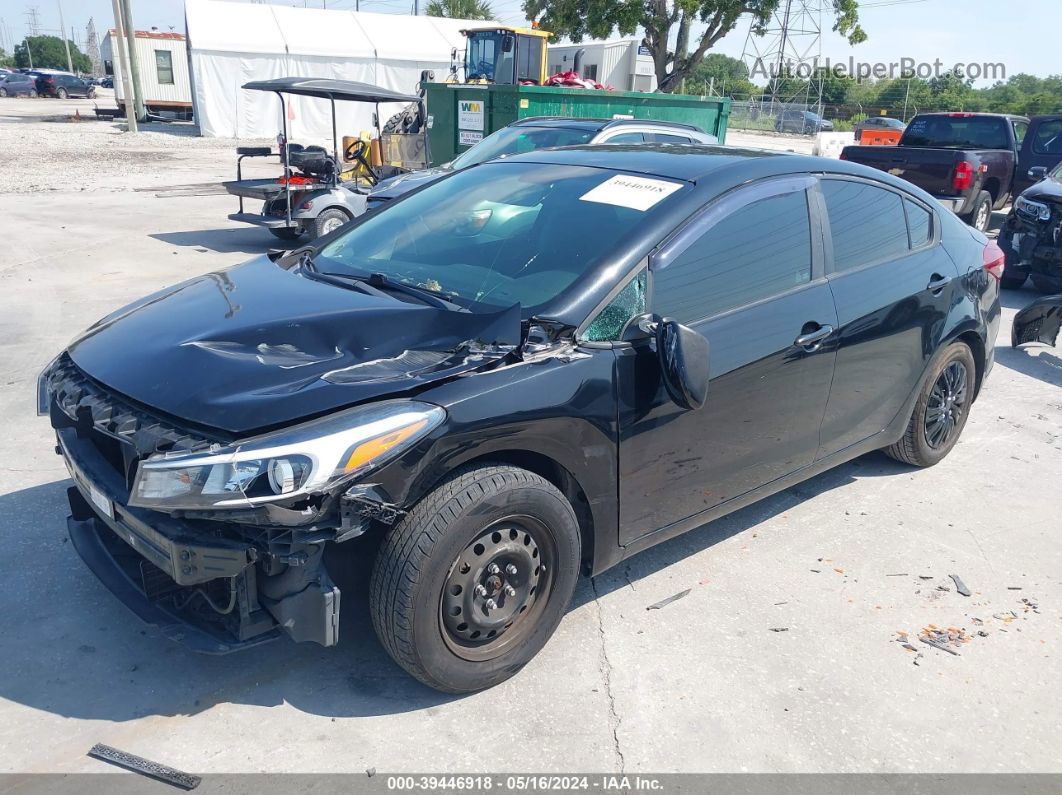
x=230, y=44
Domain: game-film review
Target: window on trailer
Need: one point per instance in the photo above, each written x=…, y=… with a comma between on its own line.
x=164, y=67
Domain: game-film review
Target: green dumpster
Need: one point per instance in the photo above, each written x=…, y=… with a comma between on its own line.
x=461, y=114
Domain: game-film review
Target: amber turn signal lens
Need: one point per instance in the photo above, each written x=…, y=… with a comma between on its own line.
x=374, y=448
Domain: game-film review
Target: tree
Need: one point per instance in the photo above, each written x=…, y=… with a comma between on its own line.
x=661, y=19
x=722, y=74
x=49, y=53
x=461, y=9
x=6, y=60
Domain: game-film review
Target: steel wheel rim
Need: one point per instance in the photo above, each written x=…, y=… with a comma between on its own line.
x=947, y=403
x=470, y=628
x=330, y=224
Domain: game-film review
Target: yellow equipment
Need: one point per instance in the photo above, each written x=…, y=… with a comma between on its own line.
x=504, y=56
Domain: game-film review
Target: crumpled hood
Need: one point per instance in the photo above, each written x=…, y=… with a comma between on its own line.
x=402, y=184
x=259, y=346
x=1049, y=190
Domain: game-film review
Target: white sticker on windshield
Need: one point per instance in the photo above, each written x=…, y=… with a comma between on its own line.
x=638, y=193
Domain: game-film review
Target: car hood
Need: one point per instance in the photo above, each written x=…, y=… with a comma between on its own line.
x=398, y=186
x=259, y=346
x=1044, y=190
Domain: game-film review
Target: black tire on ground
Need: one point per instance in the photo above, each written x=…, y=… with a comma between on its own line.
x=60, y=93
x=915, y=447
x=286, y=232
x=328, y=221
x=1046, y=284
x=1013, y=281
x=91, y=93
x=32, y=95
x=980, y=215
x=481, y=516
x=3, y=92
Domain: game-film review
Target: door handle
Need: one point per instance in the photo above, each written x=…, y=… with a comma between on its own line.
x=937, y=283
x=813, y=339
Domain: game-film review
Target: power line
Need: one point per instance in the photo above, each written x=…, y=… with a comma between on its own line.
x=34, y=22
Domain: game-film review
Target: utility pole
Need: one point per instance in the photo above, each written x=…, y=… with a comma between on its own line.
x=134, y=67
x=66, y=42
x=123, y=65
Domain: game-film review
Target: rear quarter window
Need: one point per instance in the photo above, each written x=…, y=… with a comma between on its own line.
x=867, y=223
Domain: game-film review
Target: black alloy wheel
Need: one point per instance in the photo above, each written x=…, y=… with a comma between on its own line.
x=947, y=403
x=941, y=409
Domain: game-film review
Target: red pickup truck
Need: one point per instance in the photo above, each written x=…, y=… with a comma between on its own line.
x=968, y=161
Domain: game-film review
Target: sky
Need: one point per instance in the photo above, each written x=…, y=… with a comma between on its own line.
x=955, y=31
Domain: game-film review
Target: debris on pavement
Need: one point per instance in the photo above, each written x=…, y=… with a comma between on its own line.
x=778, y=629
x=944, y=639
x=145, y=767
x=960, y=586
x=1031, y=605
x=904, y=574
x=370, y=772
x=1013, y=587
x=669, y=600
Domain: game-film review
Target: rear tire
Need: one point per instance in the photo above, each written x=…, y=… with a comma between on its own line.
x=980, y=216
x=286, y=232
x=498, y=528
x=61, y=93
x=3, y=92
x=941, y=411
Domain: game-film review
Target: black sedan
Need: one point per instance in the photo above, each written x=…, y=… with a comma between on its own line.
x=528, y=370
x=1031, y=236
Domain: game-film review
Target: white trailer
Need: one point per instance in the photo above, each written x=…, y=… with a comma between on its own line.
x=623, y=64
x=162, y=61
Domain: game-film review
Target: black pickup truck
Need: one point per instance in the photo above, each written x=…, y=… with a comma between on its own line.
x=968, y=161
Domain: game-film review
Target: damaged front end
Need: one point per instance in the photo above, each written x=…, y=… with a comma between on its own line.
x=220, y=544
x=1032, y=238
x=1038, y=322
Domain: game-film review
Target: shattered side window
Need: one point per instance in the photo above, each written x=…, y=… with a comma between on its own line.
x=630, y=302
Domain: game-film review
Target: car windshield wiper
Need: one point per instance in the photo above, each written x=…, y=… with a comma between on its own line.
x=377, y=284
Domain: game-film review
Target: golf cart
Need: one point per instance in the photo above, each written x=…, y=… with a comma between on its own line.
x=320, y=191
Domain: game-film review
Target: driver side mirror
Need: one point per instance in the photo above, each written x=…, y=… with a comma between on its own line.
x=683, y=355
x=1037, y=173
x=507, y=44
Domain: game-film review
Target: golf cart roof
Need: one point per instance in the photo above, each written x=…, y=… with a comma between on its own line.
x=330, y=89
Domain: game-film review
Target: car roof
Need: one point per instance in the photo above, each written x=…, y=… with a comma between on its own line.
x=570, y=122
x=688, y=162
x=716, y=166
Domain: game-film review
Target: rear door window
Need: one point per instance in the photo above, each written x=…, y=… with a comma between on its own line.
x=667, y=138
x=757, y=251
x=867, y=223
x=627, y=138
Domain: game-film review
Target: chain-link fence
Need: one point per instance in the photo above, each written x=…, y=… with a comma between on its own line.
x=766, y=114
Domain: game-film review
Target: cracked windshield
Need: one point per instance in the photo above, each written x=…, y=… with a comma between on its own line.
x=498, y=234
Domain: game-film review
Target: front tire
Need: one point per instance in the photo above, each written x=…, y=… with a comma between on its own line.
x=470, y=585
x=941, y=411
x=61, y=93
x=3, y=92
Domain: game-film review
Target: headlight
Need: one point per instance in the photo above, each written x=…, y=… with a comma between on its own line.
x=43, y=398
x=308, y=459
x=1034, y=209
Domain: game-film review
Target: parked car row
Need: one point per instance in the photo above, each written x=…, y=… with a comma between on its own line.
x=45, y=84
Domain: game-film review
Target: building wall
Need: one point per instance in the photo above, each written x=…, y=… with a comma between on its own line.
x=179, y=92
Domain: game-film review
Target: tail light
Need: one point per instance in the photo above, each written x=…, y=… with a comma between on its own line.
x=842, y=157
x=994, y=260
x=964, y=176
